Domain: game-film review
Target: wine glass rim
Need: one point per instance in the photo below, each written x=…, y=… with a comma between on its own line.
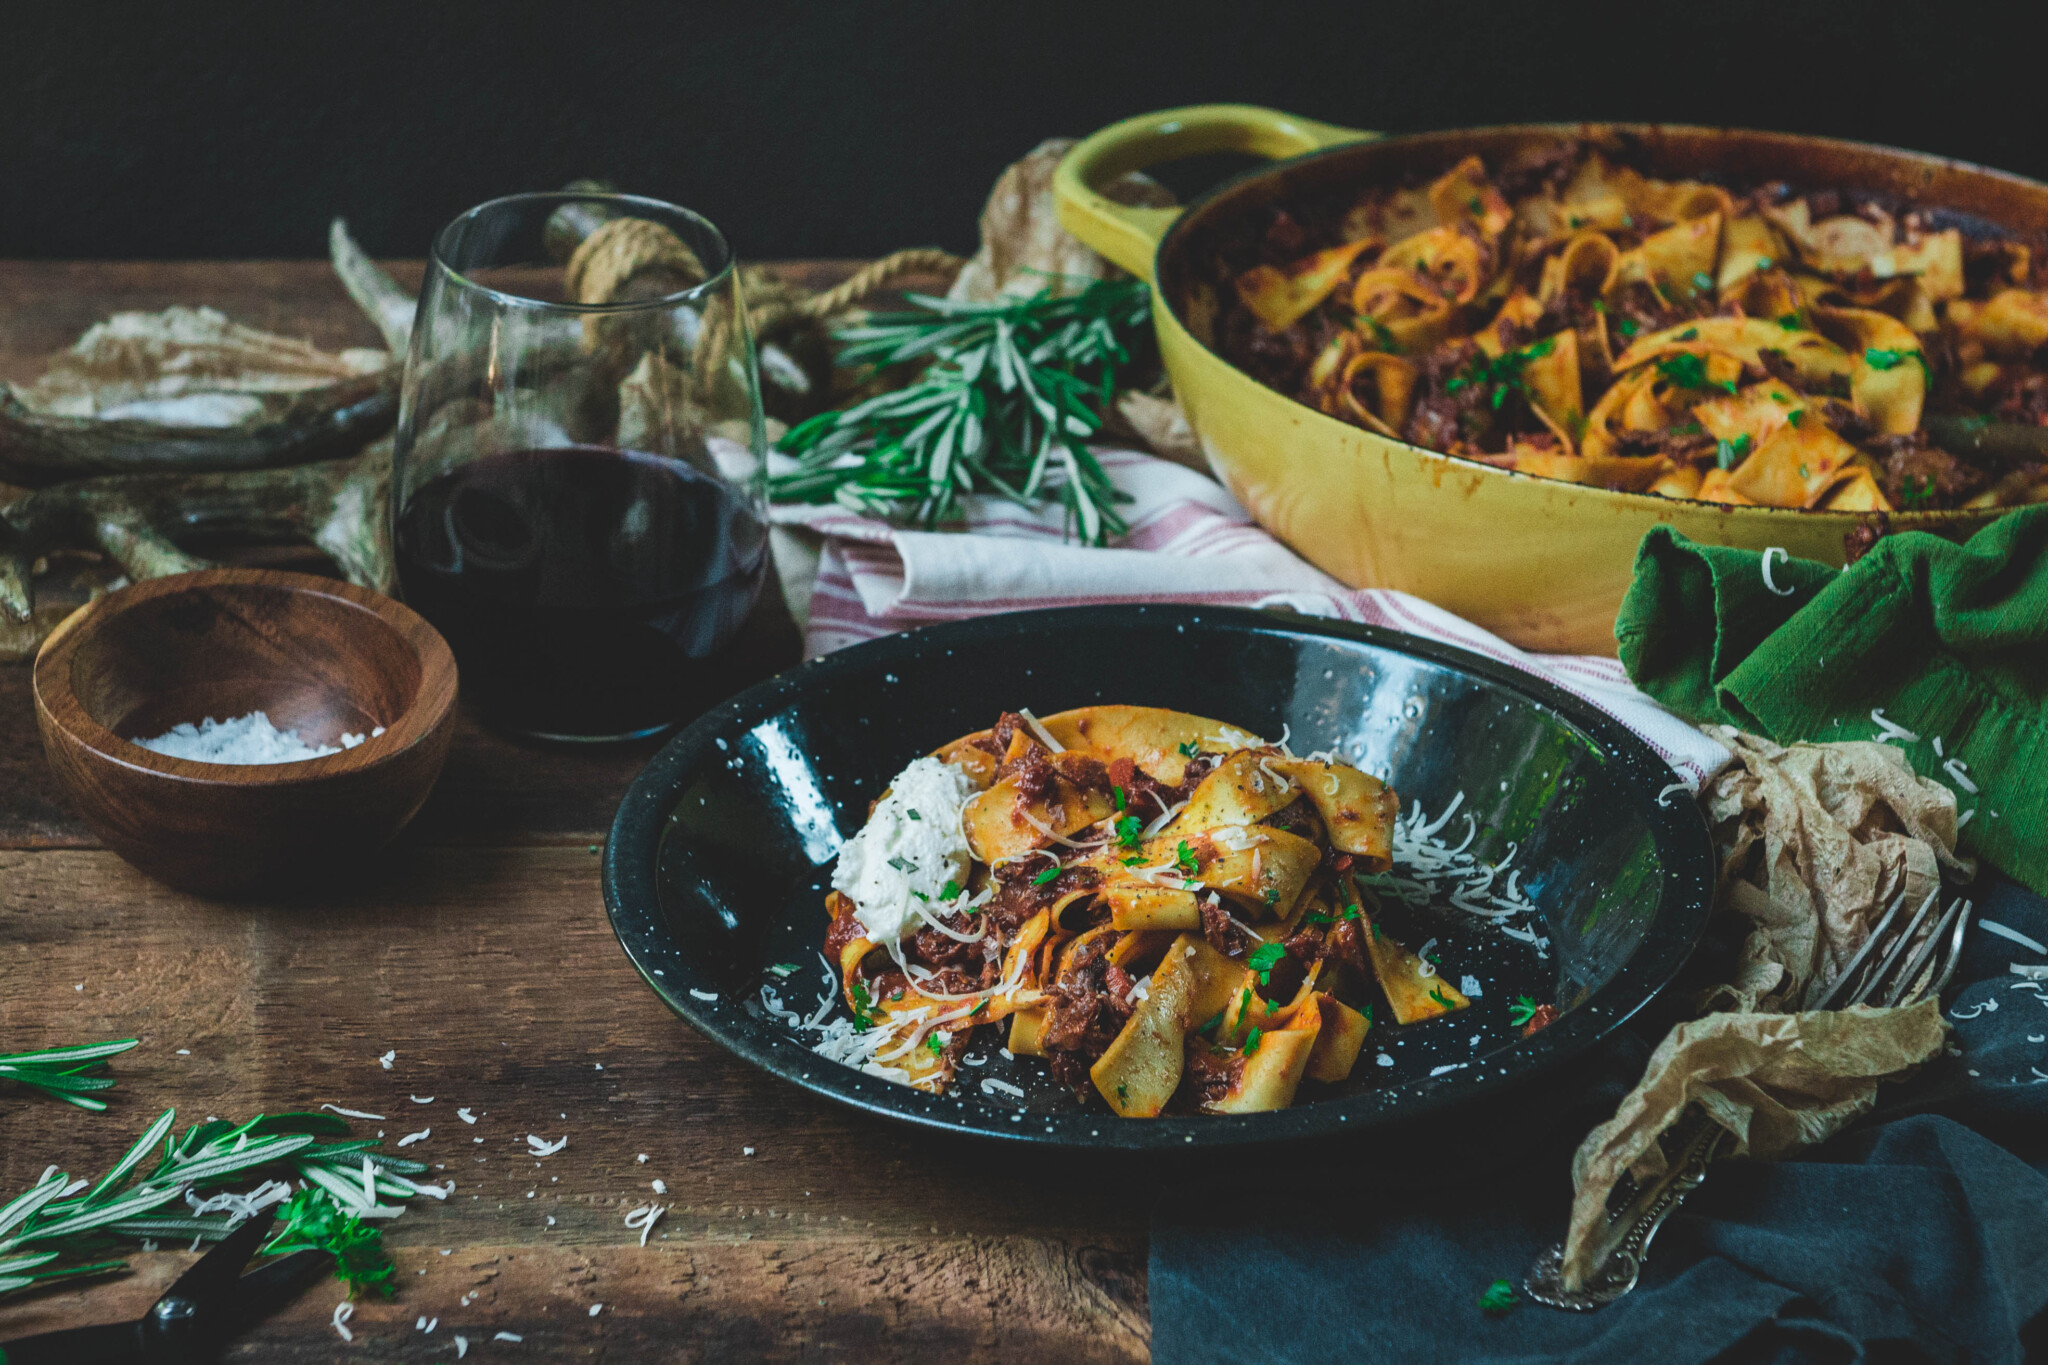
x=693, y=294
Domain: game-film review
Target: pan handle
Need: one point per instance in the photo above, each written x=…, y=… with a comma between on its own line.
x=1130, y=236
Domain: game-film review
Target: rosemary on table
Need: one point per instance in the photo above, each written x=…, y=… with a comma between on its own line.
x=61, y=1072
x=61, y=1227
x=1007, y=404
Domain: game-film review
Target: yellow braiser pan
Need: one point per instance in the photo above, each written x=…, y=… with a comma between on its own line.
x=1539, y=561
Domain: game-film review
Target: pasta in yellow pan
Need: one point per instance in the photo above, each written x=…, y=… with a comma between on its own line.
x=1161, y=906
x=1563, y=315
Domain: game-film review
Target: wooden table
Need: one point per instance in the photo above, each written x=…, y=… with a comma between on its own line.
x=477, y=951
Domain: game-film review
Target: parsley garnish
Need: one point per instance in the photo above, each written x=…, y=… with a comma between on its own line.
x=1123, y=1091
x=1790, y=322
x=783, y=969
x=1436, y=993
x=1042, y=878
x=1522, y=1011
x=1252, y=1041
x=1728, y=454
x=1386, y=339
x=1366, y=1010
x=1502, y=374
x=1499, y=1299
x=1702, y=281
x=922, y=896
x=931, y=1041
x=1795, y=416
x=1264, y=959
x=950, y=891
x=1689, y=334
x=1215, y=1020
x=1127, y=831
x=1317, y=917
x=863, y=1007
x=1187, y=750
x=1884, y=360
x=1628, y=327
x=913, y=815
x=1688, y=370
x=902, y=864
x=979, y=1006
x=1473, y=204
x=1763, y=263
x=1184, y=859
x=1116, y=794
x=1354, y=912
x=1912, y=495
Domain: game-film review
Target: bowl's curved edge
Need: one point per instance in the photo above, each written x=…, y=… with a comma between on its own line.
x=1680, y=831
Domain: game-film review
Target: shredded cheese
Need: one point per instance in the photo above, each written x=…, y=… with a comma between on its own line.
x=1890, y=729
x=1044, y=735
x=1781, y=553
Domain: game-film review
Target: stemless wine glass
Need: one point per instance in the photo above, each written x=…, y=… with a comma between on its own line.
x=577, y=492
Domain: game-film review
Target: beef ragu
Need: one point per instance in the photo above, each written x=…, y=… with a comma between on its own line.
x=1563, y=315
x=1158, y=905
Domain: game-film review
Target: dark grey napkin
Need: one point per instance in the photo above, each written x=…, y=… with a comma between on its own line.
x=1919, y=1234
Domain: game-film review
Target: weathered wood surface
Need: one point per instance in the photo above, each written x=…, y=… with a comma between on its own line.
x=478, y=950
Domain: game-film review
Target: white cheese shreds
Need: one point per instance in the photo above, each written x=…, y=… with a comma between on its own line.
x=416, y=1099
x=1384, y=1060
x=990, y=1085
x=595, y=1309
x=1044, y=735
x=642, y=1220
x=1469, y=985
x=421, y=1136
x=1780, y=552
x=1443, y=1070
x=426, y=1324
x=660, y=1187
x=1662, y=796
x=1427, y=869
x=508, y=1336
x=703, y=995
x=1960, y=772
x=642, y=1158
x=351, y=1113
x=899, y=856
x=465, y=1116
x=746, y=1151
x=388, y=1058
x=536, y=1145
x=1891, y=729
x=461, y=1346
x=2011, y=935
x=343, y=1311
x=1965, y=818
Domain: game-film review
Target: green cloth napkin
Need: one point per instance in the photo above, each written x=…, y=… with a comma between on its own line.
x=1948, y=641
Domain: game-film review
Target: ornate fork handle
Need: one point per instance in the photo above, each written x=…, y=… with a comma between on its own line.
x=1629, y=1233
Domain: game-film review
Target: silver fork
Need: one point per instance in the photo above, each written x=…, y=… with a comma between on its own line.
x=1891, y=977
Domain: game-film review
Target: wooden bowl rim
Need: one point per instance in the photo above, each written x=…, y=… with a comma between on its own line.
x=433, y=699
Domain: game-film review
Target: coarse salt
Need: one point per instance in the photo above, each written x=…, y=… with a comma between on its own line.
x=249, y=739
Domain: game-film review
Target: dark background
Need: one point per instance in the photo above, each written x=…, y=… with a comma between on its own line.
x=849, y=129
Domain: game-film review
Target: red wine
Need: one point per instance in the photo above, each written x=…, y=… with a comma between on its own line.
x=584, y=590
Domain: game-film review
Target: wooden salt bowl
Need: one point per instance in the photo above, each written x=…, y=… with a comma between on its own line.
x=317, y=655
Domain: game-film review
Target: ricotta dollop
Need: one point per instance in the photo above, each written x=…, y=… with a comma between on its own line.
x=909, y=849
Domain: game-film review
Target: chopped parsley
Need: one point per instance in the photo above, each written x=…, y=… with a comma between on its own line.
x=1132, y=861
x=1317, y=917
x=950, y=891
x=1264, y=959
x=1123, y=1092
x=922, y=896
x=1188, y=750
x=1376, y=932
x=979, y=1006
x=931, y=1041
x=1042, y=878
x=1917, y=493
x=1796, y=416
x=1184, y=859
x=1244, y=1004
x=1688, y=370
x=1502, y=374
x=1790, y=322
x=902, y=864
x=784, y=969
x=1436, y=993
x=1116, y=794
x=1702, y=281
x=1354, y=912
x=1599, y=305
x=1473, y=205
x=1763, y=263
x=863, y=1006
x=1691, y=429
x=1728, y=454
x=1884, y=360
x=1388, y=342
x=1499, y=1299
x=1127, y=828
x=1689, y=334
x=1522, y=1011
x=1252, y=1041
x=1628, y=327
x=913, y=815
x=1215, y=1021
x=1365, y=1009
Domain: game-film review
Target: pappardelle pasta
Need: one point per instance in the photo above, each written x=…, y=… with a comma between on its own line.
x=1563, y=315
x=1162, y=907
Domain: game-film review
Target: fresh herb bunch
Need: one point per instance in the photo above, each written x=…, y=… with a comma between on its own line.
x=61, y=1072
x=311, y=1220
x=1012, y=393
x=60, y=1218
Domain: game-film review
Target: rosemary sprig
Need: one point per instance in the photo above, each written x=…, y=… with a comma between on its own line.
x=1011, y=395
x=61, y=1072
x=59, y=1217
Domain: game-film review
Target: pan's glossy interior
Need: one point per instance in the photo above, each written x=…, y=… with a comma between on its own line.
x=721, y=854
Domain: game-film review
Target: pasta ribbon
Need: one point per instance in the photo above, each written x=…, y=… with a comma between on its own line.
x=1280, y=298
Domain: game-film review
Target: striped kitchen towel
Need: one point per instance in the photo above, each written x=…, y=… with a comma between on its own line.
x=1189, y=542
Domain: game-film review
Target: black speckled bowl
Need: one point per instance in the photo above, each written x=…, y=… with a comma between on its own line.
x=721, y=853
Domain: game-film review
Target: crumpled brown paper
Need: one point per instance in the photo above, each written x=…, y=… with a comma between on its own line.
x=1817, y=841
x=1778, y=1082
x=1023, y=247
